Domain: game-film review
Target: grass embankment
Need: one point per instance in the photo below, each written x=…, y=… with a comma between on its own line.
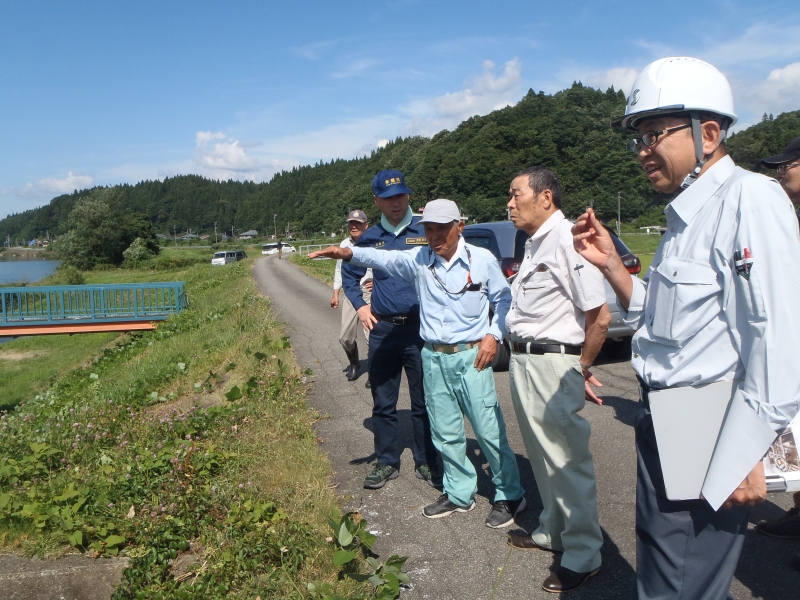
x=189, y=449
x=320, y=269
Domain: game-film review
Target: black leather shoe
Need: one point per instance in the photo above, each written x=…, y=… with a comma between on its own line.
x=522, y=541
x=564, y=580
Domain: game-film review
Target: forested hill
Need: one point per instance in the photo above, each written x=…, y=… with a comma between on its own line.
x=568, y=131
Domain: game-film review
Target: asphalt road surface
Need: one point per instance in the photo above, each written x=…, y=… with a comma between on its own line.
x=458, y=557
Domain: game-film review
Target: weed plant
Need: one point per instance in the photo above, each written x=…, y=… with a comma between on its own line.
x=188, y=449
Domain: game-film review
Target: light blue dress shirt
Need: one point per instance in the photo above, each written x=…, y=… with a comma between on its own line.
x=700, y=322
x=449, y=318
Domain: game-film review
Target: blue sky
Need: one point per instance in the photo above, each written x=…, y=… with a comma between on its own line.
x=97, y=93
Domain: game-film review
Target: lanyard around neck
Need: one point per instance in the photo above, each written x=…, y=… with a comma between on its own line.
x=468, y=286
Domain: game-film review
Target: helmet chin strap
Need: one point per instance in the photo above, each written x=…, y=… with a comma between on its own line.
x=697, y=136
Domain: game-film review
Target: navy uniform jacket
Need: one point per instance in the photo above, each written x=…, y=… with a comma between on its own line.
x=390, y=295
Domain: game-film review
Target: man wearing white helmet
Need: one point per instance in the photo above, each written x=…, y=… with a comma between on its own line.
x=717, y=305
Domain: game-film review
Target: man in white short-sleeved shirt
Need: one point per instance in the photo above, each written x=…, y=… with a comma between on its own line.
x=557, y=325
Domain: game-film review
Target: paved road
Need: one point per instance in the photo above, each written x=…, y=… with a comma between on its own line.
x=459, y=557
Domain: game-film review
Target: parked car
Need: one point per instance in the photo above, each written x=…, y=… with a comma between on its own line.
x=229, y=256
x=507, y=243
x=272, y=248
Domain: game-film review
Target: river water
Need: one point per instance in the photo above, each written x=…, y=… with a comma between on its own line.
x=30, y=270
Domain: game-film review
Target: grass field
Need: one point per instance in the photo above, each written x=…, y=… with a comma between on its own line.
x=643, y=246
x=194, y=440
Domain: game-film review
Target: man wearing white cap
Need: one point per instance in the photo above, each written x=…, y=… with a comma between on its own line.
x=456, y=283
x=717, y=310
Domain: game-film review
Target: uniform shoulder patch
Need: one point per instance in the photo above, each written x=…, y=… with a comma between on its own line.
x=416, y=241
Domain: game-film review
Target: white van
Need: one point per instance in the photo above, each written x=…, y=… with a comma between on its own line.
x=229, y=256
x=272, y=248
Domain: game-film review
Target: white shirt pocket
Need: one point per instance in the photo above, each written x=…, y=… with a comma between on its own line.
x=687, y=299
x=536, y=294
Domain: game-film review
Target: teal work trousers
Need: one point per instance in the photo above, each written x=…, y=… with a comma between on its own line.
x=454, y=388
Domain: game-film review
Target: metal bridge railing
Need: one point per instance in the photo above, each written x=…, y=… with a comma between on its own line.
x=47, y=305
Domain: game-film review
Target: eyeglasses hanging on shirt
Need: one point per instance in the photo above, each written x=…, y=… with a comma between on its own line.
x=468, y=287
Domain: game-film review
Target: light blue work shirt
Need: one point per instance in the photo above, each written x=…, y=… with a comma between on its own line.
x=448, y=318
x=698, y=321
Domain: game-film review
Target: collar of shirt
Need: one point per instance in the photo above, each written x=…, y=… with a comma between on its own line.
x=546, y=227
x=400, y=226
x=689, y=202
x=460, y=253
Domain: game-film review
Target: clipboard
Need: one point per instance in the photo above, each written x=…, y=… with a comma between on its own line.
x=687, y=422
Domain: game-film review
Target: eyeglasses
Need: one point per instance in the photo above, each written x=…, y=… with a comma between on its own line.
x=651, y=137
x=784, y=167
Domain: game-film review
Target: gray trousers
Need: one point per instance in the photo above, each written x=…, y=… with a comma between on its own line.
x=548, y=394
x=348, y=333
x=684, y=550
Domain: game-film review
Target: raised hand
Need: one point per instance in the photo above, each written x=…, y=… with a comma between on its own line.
x=333, y=252
x=592, y=241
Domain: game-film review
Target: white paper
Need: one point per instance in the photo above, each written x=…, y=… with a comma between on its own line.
x=687, y=422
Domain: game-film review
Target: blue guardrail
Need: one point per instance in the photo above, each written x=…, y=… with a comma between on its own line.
x=75, y=304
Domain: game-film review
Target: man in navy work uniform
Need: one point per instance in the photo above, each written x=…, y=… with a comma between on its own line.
x=787, y=165
x=456, y=283
x=718, y=305
x=394, y=342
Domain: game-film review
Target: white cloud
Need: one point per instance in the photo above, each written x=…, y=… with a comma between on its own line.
x=355, y=68
x=32, y=195
x=312, y=51
x=759, y=44
x=50, y=186
x=222, y=157
x=621, y=78
x=67, y=185
x=203, y=137
x=480, y=95
x=779, y=92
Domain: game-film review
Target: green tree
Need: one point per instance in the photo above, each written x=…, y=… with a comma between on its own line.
x=100, y=229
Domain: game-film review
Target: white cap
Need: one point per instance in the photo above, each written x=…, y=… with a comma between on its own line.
x=676, y=85
x=440, y=211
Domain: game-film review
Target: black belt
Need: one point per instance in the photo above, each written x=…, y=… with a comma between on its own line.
x=534, y=348
x=398, y=319
x=644, y=393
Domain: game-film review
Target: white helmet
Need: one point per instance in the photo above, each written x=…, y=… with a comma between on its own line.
x=678, y=85
x=681, y=85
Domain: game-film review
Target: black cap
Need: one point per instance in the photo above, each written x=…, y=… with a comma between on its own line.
x=791, y=152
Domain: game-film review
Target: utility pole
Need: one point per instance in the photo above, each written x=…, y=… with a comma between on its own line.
x=174, y=236
x=619, y=196
x=275, y=225
x=215, y=232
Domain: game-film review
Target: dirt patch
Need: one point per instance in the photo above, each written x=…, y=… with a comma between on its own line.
x=14, y=355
